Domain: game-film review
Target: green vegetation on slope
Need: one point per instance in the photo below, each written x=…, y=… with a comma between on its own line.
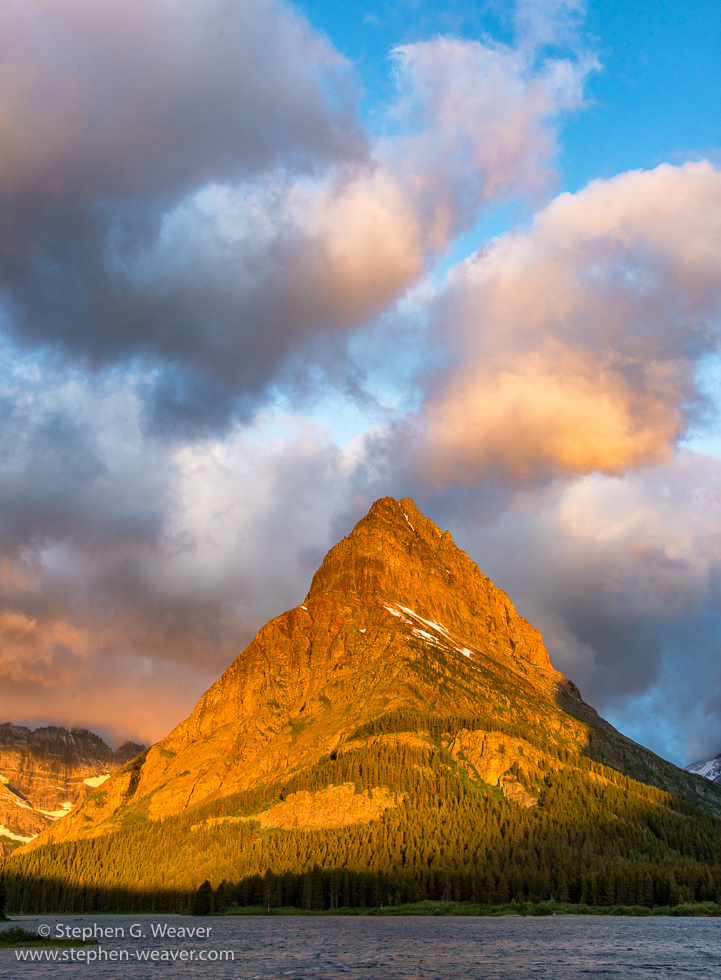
x=595, y=837
x=536, y=727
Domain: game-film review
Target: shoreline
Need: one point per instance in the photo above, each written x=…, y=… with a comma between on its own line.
x=470, y=910
x=420, y=909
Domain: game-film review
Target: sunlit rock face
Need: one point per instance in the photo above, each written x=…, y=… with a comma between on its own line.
x=397, y=554
x=44, y=773
x=397, y=619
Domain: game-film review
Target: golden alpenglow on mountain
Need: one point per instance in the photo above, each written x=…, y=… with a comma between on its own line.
x=401, y=735
x=45, y=772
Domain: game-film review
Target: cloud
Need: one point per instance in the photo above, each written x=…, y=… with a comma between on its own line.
x=187, y=187
x=194, y=223
x=620, y=574
x=110, y=102
x=74, y=464
x=291, y=258
x=546, y=22
x=483, y=121
x=575, y=341
x=27, y=645
x=111, y=115
x=131, y=566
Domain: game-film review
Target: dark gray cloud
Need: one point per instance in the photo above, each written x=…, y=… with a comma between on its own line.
x=143, y=101
x=112, y=115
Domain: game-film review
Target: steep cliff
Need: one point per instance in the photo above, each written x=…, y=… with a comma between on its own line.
x=397, y=619
x=45, y=772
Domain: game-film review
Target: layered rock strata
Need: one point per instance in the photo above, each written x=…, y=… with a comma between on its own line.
x=46, y=772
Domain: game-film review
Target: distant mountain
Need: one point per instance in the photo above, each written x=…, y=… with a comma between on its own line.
x=709, y=768
x=405, y=694
x=45, y=772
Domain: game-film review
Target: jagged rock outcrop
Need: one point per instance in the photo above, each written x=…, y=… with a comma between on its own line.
x=125, y=753
x=397, y=618
x=45, y=772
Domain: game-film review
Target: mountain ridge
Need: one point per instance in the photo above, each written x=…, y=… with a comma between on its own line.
x=396, y=617
x=45, y=772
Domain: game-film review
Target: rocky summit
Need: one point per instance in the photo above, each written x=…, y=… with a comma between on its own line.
x=399, y=623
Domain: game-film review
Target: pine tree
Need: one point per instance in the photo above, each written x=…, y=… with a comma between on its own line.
x=203, y=900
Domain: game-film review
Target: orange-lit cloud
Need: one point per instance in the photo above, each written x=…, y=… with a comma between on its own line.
x=555, y=411
x=576, y=341
x=27, y=646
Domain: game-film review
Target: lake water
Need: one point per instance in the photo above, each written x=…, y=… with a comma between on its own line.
x=406, y=948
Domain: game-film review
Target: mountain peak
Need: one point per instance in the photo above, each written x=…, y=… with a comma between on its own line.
x=398, y=622
x=397, y=553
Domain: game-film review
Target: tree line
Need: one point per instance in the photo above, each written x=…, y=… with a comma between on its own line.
x=595, y=836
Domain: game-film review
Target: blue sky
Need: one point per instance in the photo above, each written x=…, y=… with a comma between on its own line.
x=654, y=98
x=262, y=263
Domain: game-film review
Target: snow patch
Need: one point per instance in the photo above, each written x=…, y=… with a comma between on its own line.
x=709, y=768
x=439, y=627
x=361, y=631
x=428, y=622
x=57, y=814
x=96, y=780
x=4, y=832
x=408, y=522
x=427, y=636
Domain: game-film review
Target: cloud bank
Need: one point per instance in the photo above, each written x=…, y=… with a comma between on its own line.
x=197, y=226
x=189, y=185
